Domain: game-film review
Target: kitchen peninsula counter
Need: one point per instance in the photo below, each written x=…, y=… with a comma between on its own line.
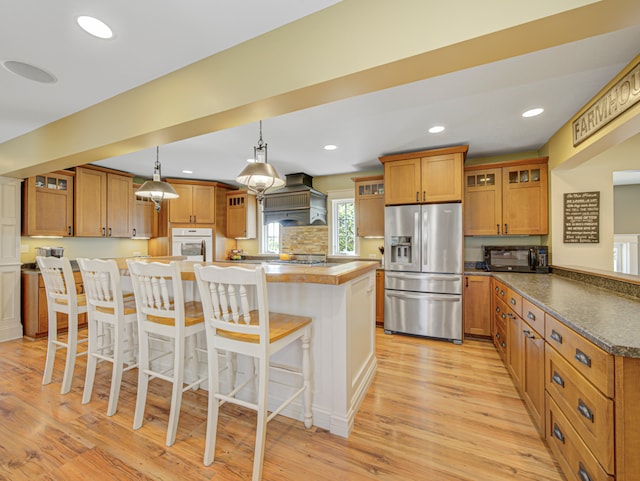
x=608, y=319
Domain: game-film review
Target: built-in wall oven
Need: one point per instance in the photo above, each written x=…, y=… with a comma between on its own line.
x=196, y=243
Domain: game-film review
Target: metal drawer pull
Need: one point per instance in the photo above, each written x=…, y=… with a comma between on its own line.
x=512, y=301
x=582, y=473
x=528, y=333
x=557, y=433
x=557, y=378
x=556, y=337
x=584, y=410
x=582, y=357
x=531, y=315
x=503, y=315
x=504, y=345
x=502, y=293
x=497, y=335
x=498, y=309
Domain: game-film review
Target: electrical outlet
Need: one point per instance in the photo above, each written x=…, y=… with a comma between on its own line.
x=24, y=248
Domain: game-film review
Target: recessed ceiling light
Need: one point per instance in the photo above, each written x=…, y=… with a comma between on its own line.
x=30, y=72
x=436, y=129
x=330, y=147
x=95, y=27
x=187, y=171
x=533, y=112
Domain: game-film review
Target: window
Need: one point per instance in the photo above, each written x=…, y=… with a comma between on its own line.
x=271, y=238
x=343, y=227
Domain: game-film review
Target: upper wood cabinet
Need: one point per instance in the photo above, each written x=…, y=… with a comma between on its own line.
x=369, y=206
x=241, y=215
x=195, y=205
x=47, y=205
x=143, y=216
x=424, y=177
x=506, y=199
x=102, y=203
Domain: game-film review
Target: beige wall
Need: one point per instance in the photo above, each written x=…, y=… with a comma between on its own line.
x=593, y=175
x=626, y=209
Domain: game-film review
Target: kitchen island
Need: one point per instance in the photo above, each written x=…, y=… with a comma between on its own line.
x=341, y=301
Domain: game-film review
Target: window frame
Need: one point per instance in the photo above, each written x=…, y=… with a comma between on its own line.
x=334, y=197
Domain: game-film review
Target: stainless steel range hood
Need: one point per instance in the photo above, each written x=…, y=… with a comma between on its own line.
x=297, y=203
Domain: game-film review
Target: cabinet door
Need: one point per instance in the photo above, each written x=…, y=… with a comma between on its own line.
x=48, y=205
x=533, y=374
x=370, y=216
x=119, y=205
x=180, y=208
x=236, y=216
x=483, y=202
x=525, y=200
x=204, y=204
x=477, y=305
x=402, y=182
x=142, y=213
x=90, y=203
x=515, y=349
x=441, y=178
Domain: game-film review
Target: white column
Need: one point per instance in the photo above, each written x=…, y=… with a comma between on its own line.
x=10, y=323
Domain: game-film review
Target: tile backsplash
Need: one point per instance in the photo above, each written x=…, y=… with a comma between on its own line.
x=307, y=239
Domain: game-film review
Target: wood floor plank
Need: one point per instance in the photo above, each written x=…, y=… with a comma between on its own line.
x=435, y=410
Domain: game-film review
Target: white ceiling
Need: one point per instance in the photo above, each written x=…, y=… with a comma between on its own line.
x=480, y=107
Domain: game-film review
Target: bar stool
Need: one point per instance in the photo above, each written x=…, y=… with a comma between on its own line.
x=165, y=317
x=112, y=326
x=62, y=297
x=234, y=325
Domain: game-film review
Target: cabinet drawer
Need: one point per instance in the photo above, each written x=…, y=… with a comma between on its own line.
x=534, y=316
x=499, y=290
x=514, y=301
x=591, y=361
x=575, y=459
x=501, y=312
x=588, y=410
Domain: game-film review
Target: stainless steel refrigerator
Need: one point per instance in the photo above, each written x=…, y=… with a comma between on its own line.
x=423, y=270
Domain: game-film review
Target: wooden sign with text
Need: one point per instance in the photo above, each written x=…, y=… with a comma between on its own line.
x=582, y=218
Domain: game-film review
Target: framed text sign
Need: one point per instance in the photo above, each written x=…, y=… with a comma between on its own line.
x=582, y=218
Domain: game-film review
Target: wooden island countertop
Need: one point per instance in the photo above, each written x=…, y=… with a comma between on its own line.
x=332, y=274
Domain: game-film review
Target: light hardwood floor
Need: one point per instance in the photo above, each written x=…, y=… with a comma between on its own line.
x=435, y=411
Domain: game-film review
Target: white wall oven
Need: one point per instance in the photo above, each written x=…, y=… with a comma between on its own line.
x=196, y=244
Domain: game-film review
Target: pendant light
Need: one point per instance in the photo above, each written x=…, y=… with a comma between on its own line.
x=259, y=176
x=155, y=189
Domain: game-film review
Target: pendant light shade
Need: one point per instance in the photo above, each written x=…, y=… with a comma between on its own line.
x=155, y=189
x=259, y=176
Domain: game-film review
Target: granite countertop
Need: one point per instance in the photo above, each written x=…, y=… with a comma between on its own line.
x=609, y=320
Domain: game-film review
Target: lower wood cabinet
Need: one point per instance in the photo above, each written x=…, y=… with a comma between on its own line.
x=35, y=318
x=477, y=306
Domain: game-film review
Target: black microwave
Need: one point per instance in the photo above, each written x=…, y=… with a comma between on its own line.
x=517, y=259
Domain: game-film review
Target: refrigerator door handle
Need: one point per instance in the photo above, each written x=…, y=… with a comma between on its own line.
x=420, y=276
x=420, y=296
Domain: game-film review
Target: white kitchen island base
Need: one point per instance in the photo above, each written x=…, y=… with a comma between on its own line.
x=342, y=349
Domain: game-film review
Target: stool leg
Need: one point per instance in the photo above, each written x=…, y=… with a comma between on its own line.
x=116, y=372
x=92, y=347
x=143, y=377
x=176, y=392
x=306, y=375
x=72, y=347
x=213, y=405
x=261, y=428
x=51, y=346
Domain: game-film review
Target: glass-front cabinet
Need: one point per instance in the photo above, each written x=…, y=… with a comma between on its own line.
x=48, y=205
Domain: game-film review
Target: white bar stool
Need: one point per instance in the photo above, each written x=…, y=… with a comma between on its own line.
x=62, y=297
x=164, y=317
x=112, y=326
x=235, y=326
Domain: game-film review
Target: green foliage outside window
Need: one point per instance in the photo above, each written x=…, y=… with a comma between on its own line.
x=346, y=227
